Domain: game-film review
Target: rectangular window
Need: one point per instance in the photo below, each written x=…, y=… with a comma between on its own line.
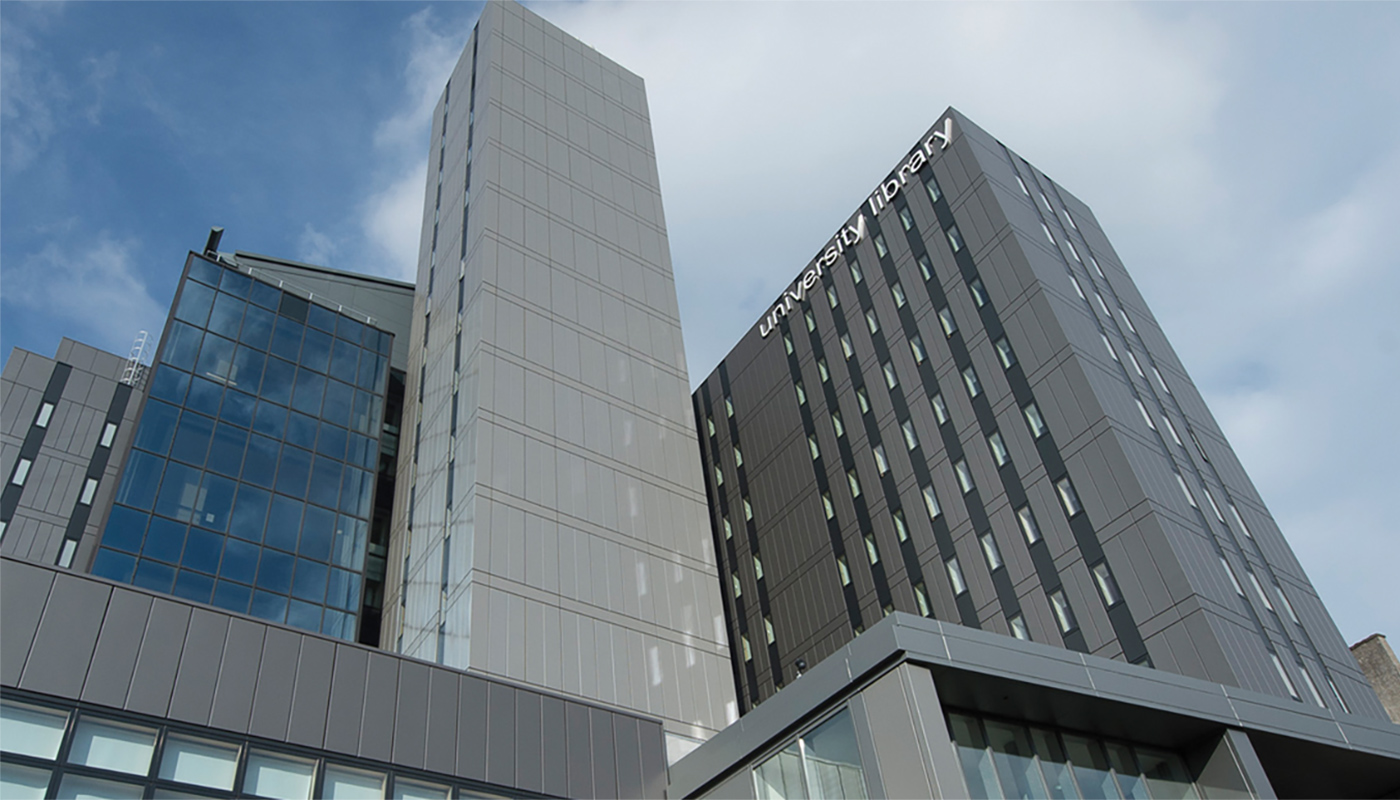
x=757, y=567
x=843, y=570
x=41, y=420
x=1337, y=694
x=1000, y=454
x=1046, y=201
x=964, y=476
x=1018, y=628
x=882, y=464
x=201, y=762
x=925, y=266
x=1196, y=441
x=728, y=529
x=955, y=239
x=1127, y=321
x=1259, y=590
x=863, y=399
x=1172, y=430
x=1048, y=234
x=831, y=298
x=710, y=422
x=729, y=407
x=1103, y=306
x=748, y=510
x=905, y=218
x=837, y=425
x=21, y=471
x=871, y=321
x=737, y=586
x=1068, y=497
x=810, y=319
x=1230, y=572
x=955, y=575
x=921, y=598
x=89, y=489
x=1213, y=507
x=931, y=502
x=856, y=275
x=113, y=746
x=871, y=551
x=880, y=248
x=916, y=344
x=1235, y=512
x=891, y=380
x=1161, y=381
x=65, y=556
x=847, y=349
x=828, y=507
x=1026, y=519
x=768, y=629
x=898, y=292
x=1146, y=417
x=109, y=433
x=974, y=386
x=1109, y=347
x=738, y=457
x=1287, y=681
x=787, y=342
x=853, y=481
x=1312, y=687
x=1137, y=367
x=1064, y=615
x=932, y=186
x=812, y=446
x=911, y=440
x=1004, y=354
x=901, y=530
x=940, y=408
x=991, y=551
x=945, y=318
x=801, y=401
x=1022, y=184
x=1287, y=606
x=719, y=476
x=746, y=647
x=1073, y=250
x=1104, y=580
x=1079, y=290
x=979, y=292
x=1186, y=490
x=822, y=370
x=1095, y=262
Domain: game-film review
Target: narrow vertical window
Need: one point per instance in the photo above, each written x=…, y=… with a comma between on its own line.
x=955, y=239
x=1018, y=627
x=1259, y=590
x=822, y=370
x=810, y=319
x=1127, y=320
x=109, y=433
x=1000, y=454
x=863, y=399
x=728, y=529
x=738, y=587
x=738, y=457
x=748, y=510
x=979, y=292
x=940, y=408
x=901, y=529
x=719, y=476
x=1287, y=606
x=1095, y=262
x=1312, y=687
x=1109, y=347
x=837, y=425
x=787, y=342
x=1068, y=497
x=1048, y=235
x=757, y=567
x=843, y=570
x=847, y=349
x=89, y=489
x=856, y=274
x=905, y=218
x=801, y=401
x=65, y=556
x=1186, y=490
x=880, y=247
x=1079, y=290
x=812, y=446
x=882, y=464
x=931, y=502
x=1004, y=354
x=945, y=319
x=932, y=186
x=1146, y=417
x=1230, y=572
x=21, y=471
x=1064, y=615
x=1073, y=250
x=1161, y=381
x=911, y=440
x=828, y=507
x=891, y=380
x=1336, y=693
x=991, y=551
x=768, y=629
x=1108, y=589
x=1235, y=512
x=964, y=474
x=925, y=266
x=1022, y=184
x=710, y=423
x=1137, y=367
x=921, y=598
x=1210, y=498
x=831, y=298
x=1176, y=437
x=897, y=292
x=871, y=321
x=1287, y=681
x=41, y=420
x=1026, y=519
x=955, y=575
x=729, y=407
x=974, y=386
x=746, y=647
x=871, y=551
x=916, y=344
x=853, y=481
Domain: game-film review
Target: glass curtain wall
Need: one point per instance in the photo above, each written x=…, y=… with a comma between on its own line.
x=251, y=479
x=822, y=764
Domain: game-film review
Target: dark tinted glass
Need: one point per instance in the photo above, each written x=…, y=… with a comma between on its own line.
x=204, y=396
x=232, y=596
x=125, y=528
x=195, y=301
x=345, y=360
x=317, y=533
x=206, y=271
x=182, y=346
x=301, y=430
x=257, y=328
x=325, y=482
x=293, y=471
x=293, y=307
x=113, y=565
x=240, y=562
x=275, y=572
x=284, y=523
x=170, y=384
x=270, y=419
x=235, y=283
x=215, y=356
x=214, y=502
x=331, y=441
x=309, y=582
x=270, y=607
x=191, y=443
x=226, y=317
x=277, y=381
x=321, y=317
x=309, y=389
x=316, y=350
x=286, y=338
x=153, y=575
x=249, y=513
x=247, y=370
x=349, y=329
x=226, y=450
x=157, y=427
x=140, y=479
x=165, y=540
x=304, y=616
x=260, y=462
x=238, y=408
x=339, y=403
x=193, y=586
x=269, y=297
x=202, y=551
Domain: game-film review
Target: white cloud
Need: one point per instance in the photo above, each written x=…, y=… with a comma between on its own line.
x=392, y=220
x=30, y=96
x=315, y=247
x=94, y=287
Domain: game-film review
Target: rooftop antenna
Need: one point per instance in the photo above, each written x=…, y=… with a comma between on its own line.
x=135, y=370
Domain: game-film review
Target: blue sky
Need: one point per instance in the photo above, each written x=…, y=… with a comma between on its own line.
x=1243, y=158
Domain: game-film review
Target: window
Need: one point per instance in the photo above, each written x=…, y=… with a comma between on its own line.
x=979, y=292
x=1064, y=615
x=1103, y=306
x=747, y=648
x=945, y=318
x=1287, y=606
x=1000, y=454
x=871, y=321
x=719, y=476
x=810, y=319
x=1093, y=260
x=955, y=575
x=911, y=440
x=31, y=731
x=1079, y=290
x=1235, y=512
x=787, y=342
x=1196, y=441
x=1046, y=201
x=931, y=502
x=344, y=782
x=1136, y=366
x=932, y=186
x=1048, y=234
x=1172, y=430
x=916, y=344
x=871, y=551
x=974, y=386
x=757, y=567
x=1127, y=321
x=898, y=292
x=738, y=457
x=827, y=506
x=89, y=489
x=955, y=239
x=109, y=433
x=1337, y=694
x=905, y=218
x=1312, y=687
x=113, y=746
x=863, y=399
x=1213, y=507
x=710, y=422
x=812, y=446
x=801, y=401
x=823, y=762
x=882, y=464
x=1026, y=519
x=1004, y=354
x=21, y=471
x=991, y=551
x=1018, y=628
x=729, y=407
x=843, y=570
x=901, y=530
x=1104, y=580
x=1068, y=497
x=1259, y=590
x=41, y=420
x=1073, y=250
x=1146, y=417
x=847, y=349
x=925, y=266
x=964, y=476
x=940, y=408
x=853, y=481
x=1161, y=381
x=728, y=529
x=1186, y=490
x=822, y=370
x=856, y=275
x=831, y=298
x=748, y=510
x=887, y=609
x=1022, y=184
x=837, y=425
x=1109, y=347
x=768, y=629
x=921, y=598
x=880, y=247
x=1235, y=582
x=1282, y=673
x=891, y=380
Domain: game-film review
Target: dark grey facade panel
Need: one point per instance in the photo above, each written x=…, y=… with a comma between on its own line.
x=114, y=659
x=529, y=741
x=22, y=596
x=193, y=697
x=411, y=714
x=500, y=739
x=439, y=754
x=66, y=637
x=554, y=771
x=347, y=700
x=153, y=682
x=381, y=693
x=238, y=675
x=311, y=697
x=472, y=728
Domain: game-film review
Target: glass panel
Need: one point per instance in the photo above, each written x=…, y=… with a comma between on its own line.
x=199, y=761
x=31, y=730
x=321, y=317
x=351, y=784
x=191, y=443
x=286, y=339
x=240, y=563
x=265, y=295
x=275, y=571
x=23, y=783
x=325, y=482
x=113, y=565
x=206, y=271
x=125, y=527
x=413, y=790
x=294, y=470
x=157, y=427
x=238, y=408
x=317, y=533
x=833, y=760
x=310, y=581
x=277, y=381
x=195, y=301
x=280, y=777
x=182, y=348
x=153, y=576
x=301, y=430
x=202, y=550
x=235, y=282
x=165, y=540
x=1091, y=769
x=247, y=369
x=249, y=513
x=1053, y=764
x=170, y=384
x=260, y=462
x=178, y=492
x=227, y=315
x=339, y=404
x=780, y=777
x=215, y=357
x=1129, y=779
x=972, y=752
x=213, y=503
x=1015, y=760
x=270, y=419
x=1167, y=778
x=79, y=787
x=193, y=586
x=232, y=596
x=310, y=387
x=271, y=607
x=226, y=450
x=316, y=351
x=257, y=328
x=120, y=748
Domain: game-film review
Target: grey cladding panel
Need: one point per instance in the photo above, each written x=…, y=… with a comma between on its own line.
x=628, y=757
x=311, y=700
x=441, y=751
x=381, y=691
x=604, y=754
x=198, y=672
x=411, y=714
x=66, y=637
x=580, y=753
x=272, y=699
x=529, y=748
x=500, y=736
x=653, y=759
x=238, y=675
x=347, y=700
x=114, y=660
x=471, y=729
x=23, y=593
x=555, y=772
x=154, y=680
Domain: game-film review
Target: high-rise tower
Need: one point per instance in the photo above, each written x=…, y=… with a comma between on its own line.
x=550, y=522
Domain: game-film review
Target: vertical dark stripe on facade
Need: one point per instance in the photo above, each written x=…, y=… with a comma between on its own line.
x=34, y=439
x=98, y=463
